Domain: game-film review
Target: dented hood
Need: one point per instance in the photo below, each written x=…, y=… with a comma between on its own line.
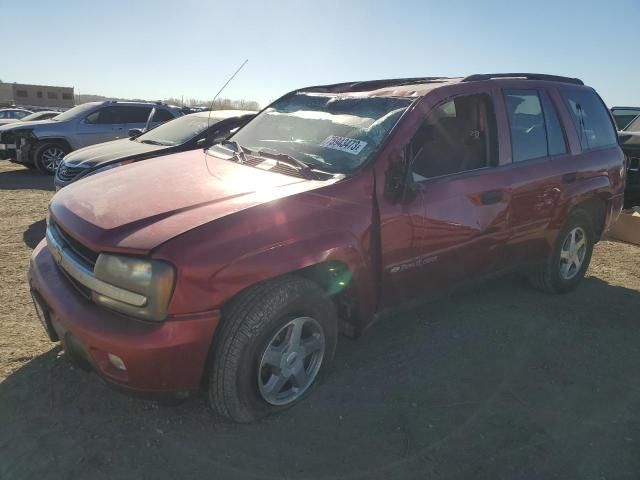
x=139, y=206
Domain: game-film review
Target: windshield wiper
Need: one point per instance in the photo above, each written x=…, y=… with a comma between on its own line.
x=153, y=142
x=240, y=152
x=299, y=165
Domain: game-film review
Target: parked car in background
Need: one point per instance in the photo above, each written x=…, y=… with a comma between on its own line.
x=41, y=115
x=10, y=115
x=624, y=116
x=189, y=132
x=630, y=143
x=43, y=144
x=332, y=206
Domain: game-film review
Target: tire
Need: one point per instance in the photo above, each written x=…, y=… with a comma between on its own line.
x=48, y=156
x=554, y=275
x=266, y=315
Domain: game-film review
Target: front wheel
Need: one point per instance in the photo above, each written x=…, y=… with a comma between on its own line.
x=274, y=342
x=48, y=156
x=563, y=270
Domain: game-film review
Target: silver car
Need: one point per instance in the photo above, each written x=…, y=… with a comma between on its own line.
x=43, y=144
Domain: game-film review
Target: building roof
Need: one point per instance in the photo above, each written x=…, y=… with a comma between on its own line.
x=32, y=85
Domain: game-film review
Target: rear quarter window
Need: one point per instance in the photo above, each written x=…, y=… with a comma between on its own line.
x=591, y=118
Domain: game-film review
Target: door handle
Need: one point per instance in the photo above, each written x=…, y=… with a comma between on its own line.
x=569, y=177
x=493, y=196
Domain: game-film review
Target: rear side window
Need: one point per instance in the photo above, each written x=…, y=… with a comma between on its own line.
x=536, y=131
x=555, y=133
x=162, y=115
x=134, y=114
x=526, y=120
x=595, y=129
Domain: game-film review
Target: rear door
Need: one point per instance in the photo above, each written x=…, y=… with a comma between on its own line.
x=538, y=146
x=134, y=116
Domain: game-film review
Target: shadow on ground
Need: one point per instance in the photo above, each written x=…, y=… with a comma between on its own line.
x=499, y=382
x=25, y=179
x=34, y=233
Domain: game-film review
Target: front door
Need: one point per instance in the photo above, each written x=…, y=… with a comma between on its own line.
x=100, y=126
x=453, y=226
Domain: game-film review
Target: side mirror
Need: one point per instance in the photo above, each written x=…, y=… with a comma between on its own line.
x=135, y=132
x=398, y=182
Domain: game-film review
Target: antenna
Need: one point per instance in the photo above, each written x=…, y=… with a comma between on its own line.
x=221, y=89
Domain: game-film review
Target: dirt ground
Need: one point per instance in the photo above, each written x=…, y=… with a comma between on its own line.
x=501, y=382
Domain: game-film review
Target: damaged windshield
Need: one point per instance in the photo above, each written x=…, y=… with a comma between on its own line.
x=325, y=131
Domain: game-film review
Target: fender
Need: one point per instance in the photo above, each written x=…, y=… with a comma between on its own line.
x=574, y=194
x=341, y=247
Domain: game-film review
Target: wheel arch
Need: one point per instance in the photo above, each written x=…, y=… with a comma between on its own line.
x=341, y=271
x=58, y=140
x=596, y=208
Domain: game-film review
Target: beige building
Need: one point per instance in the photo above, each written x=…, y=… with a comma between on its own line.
x=35, y=95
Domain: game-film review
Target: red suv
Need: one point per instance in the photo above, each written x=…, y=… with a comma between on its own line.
x=237, y=266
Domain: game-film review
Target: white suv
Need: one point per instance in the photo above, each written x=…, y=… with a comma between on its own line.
x=43, y=144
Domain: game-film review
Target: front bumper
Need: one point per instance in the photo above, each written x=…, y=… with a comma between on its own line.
x=166, y=357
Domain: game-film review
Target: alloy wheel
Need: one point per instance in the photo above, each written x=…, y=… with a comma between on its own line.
x=52, y=157
x=573, y=253
x=291, y=361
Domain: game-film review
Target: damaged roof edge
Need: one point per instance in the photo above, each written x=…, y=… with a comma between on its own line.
x=369, y=85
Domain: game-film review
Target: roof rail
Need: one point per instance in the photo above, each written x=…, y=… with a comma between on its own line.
x=372, y=84
x=528, y=76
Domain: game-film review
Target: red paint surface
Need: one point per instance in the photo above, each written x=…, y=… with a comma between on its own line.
x=227, y=226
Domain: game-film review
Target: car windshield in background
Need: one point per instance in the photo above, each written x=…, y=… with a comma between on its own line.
x=178, y=131
x=634, y=126
x=328, y=131
x=74, y=112
x=35, y=116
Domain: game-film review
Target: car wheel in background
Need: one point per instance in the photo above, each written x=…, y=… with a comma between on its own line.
x=48, y=156
x=274, y=342
x=563, y=270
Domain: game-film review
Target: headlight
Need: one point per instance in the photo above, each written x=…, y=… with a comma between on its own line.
x=152, y=279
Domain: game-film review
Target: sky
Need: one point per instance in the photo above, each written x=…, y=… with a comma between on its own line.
x=166, y=48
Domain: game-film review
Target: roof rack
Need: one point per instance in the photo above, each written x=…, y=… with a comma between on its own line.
x=372, y=84
x=528, y=76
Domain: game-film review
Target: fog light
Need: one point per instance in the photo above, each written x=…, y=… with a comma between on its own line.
x=117, y=362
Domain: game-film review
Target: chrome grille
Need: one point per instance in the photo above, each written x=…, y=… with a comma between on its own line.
x=67, y=173
x=78, y=248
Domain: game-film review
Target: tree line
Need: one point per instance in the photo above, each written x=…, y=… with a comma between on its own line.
x=219, y=104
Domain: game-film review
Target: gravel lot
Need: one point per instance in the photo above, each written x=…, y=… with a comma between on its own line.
x=498, y=382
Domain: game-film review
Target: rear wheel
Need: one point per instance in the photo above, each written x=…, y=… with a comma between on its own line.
x=274, y=342
x=48, y=156
x=563, y=270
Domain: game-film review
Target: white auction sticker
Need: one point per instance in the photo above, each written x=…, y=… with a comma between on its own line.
x=344, y=144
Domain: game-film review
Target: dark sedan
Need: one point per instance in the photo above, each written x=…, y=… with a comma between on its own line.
x=189, y=132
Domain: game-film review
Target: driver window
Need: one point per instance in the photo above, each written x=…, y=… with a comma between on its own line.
x=102, y=116
x=458, y=136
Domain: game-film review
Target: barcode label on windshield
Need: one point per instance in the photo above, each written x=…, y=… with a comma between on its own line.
x=344, y=144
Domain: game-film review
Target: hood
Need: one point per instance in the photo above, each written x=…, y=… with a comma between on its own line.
x=100, y=153
x=139, y=206
x=34, y=123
